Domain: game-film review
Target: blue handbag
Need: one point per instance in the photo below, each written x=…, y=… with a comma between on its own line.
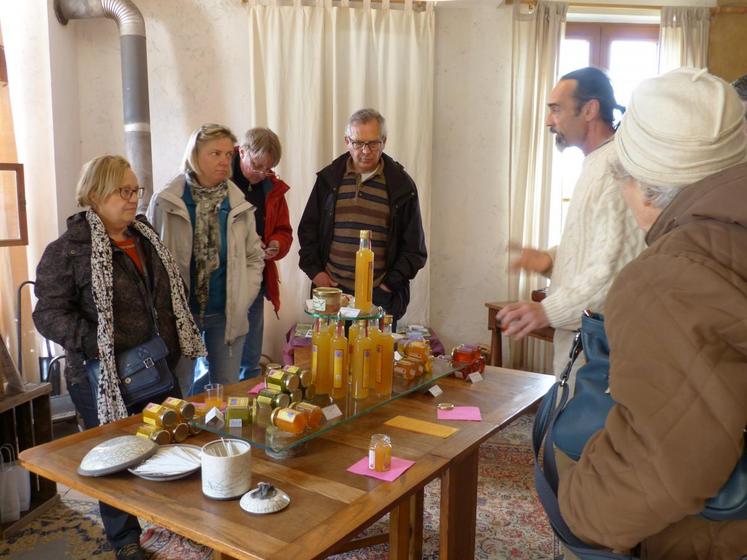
x=568, y=424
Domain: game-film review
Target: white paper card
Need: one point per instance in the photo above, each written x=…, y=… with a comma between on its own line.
x=435, y=390
x=331, y=412
x=475, y=377
x=234, y=423
x=214, y=418
x=349, y=312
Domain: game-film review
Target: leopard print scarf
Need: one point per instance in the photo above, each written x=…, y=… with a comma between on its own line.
x=110, y=403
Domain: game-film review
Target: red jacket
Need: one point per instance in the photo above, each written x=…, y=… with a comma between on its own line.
x=277, y=227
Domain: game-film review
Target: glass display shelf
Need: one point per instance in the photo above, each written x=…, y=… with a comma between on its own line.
x=374, y=313
x=261, y=434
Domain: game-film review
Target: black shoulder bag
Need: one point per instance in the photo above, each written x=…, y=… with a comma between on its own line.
x=143, y=372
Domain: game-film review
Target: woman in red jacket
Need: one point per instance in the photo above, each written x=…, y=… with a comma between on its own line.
x=252, y=171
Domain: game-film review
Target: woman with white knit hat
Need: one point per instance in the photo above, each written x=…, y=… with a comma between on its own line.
x=676, y=319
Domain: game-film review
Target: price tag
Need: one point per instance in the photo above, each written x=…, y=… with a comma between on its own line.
x=331, y=412
x=459, y=374
x=234, y=423
x=214, y=418
x=435, y=391
x=475, y=377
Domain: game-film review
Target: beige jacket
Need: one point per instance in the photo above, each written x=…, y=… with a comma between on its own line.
x=170, y=218
x=676, y=318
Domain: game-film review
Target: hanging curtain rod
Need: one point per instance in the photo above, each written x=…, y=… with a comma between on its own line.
x=716, y=10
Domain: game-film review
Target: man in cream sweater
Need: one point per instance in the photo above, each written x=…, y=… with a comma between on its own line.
x=600, y=235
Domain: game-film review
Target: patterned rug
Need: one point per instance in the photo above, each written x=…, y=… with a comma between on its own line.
x=510, y=521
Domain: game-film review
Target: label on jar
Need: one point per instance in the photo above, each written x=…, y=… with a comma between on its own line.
x=372, y=459
x=318, y=303
x=339, y=360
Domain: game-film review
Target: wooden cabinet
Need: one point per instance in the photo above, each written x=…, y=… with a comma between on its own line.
x=26, y=421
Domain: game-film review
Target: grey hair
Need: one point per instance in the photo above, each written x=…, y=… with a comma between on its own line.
x=363, y=116
x=660, y=197
x=261, y=141
x=740, y=84
x=201, y=135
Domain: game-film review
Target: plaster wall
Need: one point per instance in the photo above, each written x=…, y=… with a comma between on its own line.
x=469, y=219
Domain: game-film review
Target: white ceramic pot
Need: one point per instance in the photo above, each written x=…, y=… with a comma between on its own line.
x=226, y=468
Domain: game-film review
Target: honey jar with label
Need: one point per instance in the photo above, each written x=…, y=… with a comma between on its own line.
x=180, y=432
x=272, y=398
x=380, y=453
x=184, y=409
x=158, y=415
x=159, y=435
x=289, y=420
x=282, y=380
x=409, y=369
x=315, y=416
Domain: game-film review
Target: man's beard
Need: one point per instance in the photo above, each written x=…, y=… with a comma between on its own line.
x=560, y=140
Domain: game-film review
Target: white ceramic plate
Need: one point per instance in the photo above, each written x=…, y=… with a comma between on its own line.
x=171, y=476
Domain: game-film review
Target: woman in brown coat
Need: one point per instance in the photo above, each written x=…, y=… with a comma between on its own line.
x=676, y=318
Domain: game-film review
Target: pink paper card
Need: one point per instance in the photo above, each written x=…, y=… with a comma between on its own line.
x=398, y=467
x=257, y=388
x=461, y=413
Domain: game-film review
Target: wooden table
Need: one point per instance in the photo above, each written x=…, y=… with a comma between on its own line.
x=328, y=506
x=496, y=335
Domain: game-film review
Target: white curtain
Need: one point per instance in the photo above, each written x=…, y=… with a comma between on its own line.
x=536, y=46
x=311, y=67
x=683, y=37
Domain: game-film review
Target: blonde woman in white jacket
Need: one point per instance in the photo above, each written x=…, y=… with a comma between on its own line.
x=209, y=226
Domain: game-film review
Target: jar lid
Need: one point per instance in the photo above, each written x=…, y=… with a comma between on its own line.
x=116, y=454
x=445, y=406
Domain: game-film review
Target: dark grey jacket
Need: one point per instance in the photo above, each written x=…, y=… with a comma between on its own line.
x=66, y=314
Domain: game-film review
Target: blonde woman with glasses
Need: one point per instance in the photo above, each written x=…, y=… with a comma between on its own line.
x=96, y=287
x=204, y=219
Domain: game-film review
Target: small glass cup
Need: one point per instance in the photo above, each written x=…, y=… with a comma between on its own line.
x=214, y=395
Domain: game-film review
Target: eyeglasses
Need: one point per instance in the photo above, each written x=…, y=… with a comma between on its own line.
x=372, y=145
x=258, y=168
x=126, y=192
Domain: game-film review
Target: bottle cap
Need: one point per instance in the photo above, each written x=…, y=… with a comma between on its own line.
x=365, y=234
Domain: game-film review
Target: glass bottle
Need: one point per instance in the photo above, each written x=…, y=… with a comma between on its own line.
x=380, y=453
x=339, y=358
x=362, y=357
x=352, y=337
x=385, y=349
x=320, y=352
x=364, y=266
x=374, y=333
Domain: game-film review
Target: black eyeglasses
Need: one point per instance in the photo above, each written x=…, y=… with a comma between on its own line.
x=126, y=192
x=372, y=145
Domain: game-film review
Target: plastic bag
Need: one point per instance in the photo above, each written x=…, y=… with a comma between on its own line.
x=15, y=485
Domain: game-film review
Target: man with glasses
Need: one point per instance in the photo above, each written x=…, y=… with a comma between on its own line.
x=364, y=189
x=252, y=171
x=600, y=235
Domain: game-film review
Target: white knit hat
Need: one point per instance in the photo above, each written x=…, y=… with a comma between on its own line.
x=681, y=127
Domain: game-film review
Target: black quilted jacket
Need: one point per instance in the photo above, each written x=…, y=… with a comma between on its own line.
x=66, y=314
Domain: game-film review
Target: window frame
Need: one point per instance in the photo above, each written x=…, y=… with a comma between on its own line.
x=601, y=35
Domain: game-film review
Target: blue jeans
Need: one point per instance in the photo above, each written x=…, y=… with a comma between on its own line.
x=222, y=362
x=252, y=351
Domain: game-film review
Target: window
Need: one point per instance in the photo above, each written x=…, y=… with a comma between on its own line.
x=628, y=53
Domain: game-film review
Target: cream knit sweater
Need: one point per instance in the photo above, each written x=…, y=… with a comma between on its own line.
x=599, y=238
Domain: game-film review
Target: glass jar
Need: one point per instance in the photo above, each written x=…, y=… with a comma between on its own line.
x=158, y=415
x=380, y=453
x=289, y=420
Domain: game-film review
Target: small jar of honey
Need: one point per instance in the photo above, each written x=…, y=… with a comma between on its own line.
x=380, y=453
x=289, y=420
x=273, y=398
x=158, y=415
x=184, y=409
x=159, y=435
x=314, y=414
x=282, y=380
x=180, y=432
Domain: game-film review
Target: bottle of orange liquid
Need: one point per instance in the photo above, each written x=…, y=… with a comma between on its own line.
x=364, y=265
x=352, y=337
x=385, y=350
x=374, y=334
x=320, y=354
x=339, y=362
x=362, y=357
